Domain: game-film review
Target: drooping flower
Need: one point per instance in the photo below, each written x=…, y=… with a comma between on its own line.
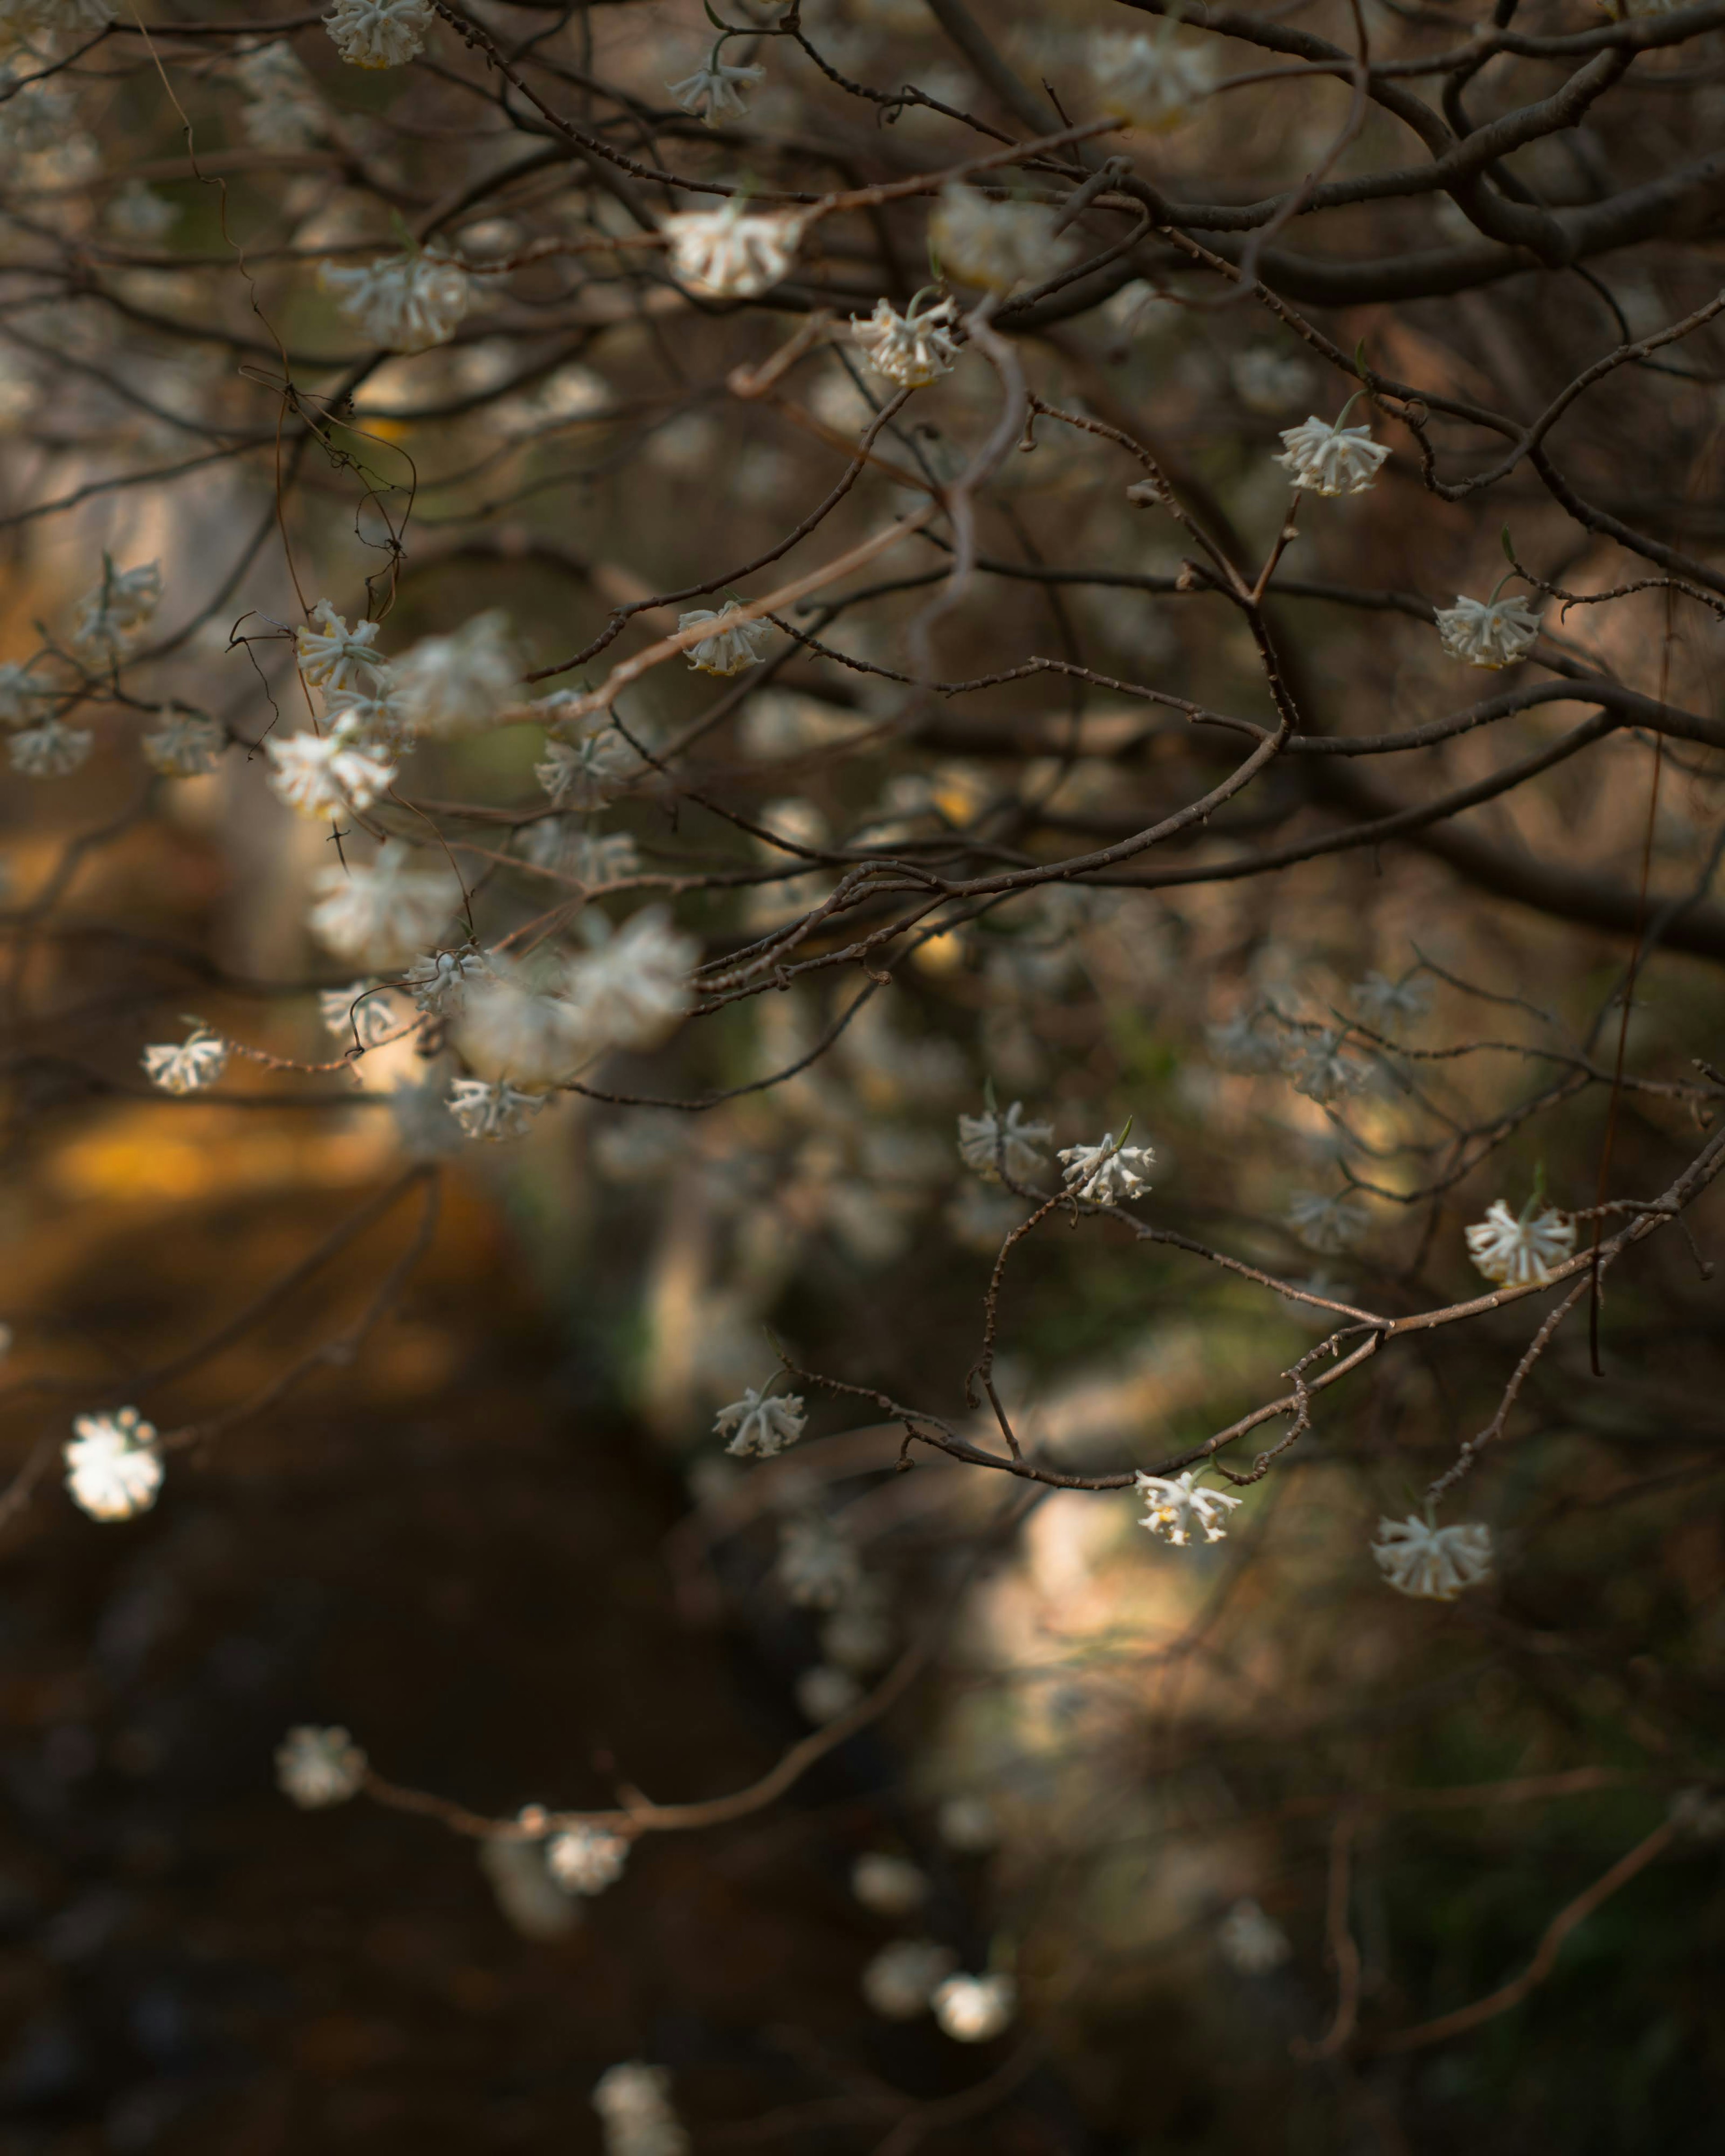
x=1251, y=1944
x=714, y=91
x=632, y=990
x=823, y=1693
x=378, y=33
x=1329, y=460
x=997, y=245
x=728, y=648
x=586, y=1860
x=114, y=1467
x=334, y=657
x=1490, y=633
x=818, y=1564
x=1388, y=1004
x=1103, y=1173
x=187, y=1065
x=285, y=111
x=732, y=253
x=1434, y=1564
x=912, y=349
x=509, y=1029
x=438, y=980
x=1517, y=1252
x=764, y=1423
x=635, y=2111
x=1152, y=81
x=50, y=749
x=456, y=685
x=985, y=1140
x=889, y=1886
x=186, y=745
x=495, y=1111
x=1327, y=1224
x=1318, y=1064
x=362, y=1013
x=900, y=1981
x=975, y=2009
x=321, y=775
x=110, y=614
x=591, y=770
x=405, y=302
x=316, y=1768
x=373, y=718
x=1177, y=1506
x=382, y=913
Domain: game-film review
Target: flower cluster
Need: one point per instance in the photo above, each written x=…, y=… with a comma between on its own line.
x=990, y=1141
x=997, y=245
x=1105, y=1173
x=1521, y=1251
x=911, y=349
x=763, y=1423
x=730, y=647
x=187, y=1065
x=1434, y=1564
x=714, y=91
x=378, y=33
x=110, y=617
x=315, y=1767
x=586, y=1860
x=284, y=111
x=405, y=302
x=732, y=253
x=1153, y=81
x=114, y=1465
x=1177, y=1508
x=1328, y=459
x=383, y=912
x=1493, y=633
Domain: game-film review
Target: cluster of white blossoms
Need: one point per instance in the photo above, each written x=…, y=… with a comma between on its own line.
x=911, y=349
x=589, y=769
x=378, y=33
x=1328, y=1223
x=284, y=110
x=997, y=245
x=447, y=686
x=900, y=1981
x=975, y=2009
x=763, y=1424
x=111, y=615
x=731, y=647
x=1150, y=81
x=635, y=2111
x=1316, y=1064
x=316, y=1766
x=889, y=1886
x=586, y=1860
x=1494, y=632
x=1329, y=458
x=714, y=91
x=321, y=775
x=333, y=657
x=990, y=1140
x=1389, y=1005
x=187, y=1065
x=405, y=302
x=1179, y=1509
x=492, y=1110
x=114, y=1465
x=186, y=745
x=1434, y=1564
x=818, y=1566
x=361, y=1012
x=732, y=253
x=1521, y=1251
x=49, y=749
x=384, y=912
x=1105, y=1173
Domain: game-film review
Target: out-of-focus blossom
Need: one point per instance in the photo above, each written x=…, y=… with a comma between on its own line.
x=136, y=212
x=1331, y=460
x=997, y=245
x=825, y=1693
x=635, y=2111
x=1103, y=1173
x=1328, y=1224
x=900, y=1981
x=315, y=1767
x=732, y=253
x=405, y=302
x=507, y=1028
x=110, y=616
x=633, y=989
x=987, y=1139
x=1245, y=1044
x=586, y=1860
x=889, y=1886
x=1152, y=80
x=975, y=2009
x=382, y=914
x=114, y=1465
x=51, y=749
x=1433, y=1563
x=460, y=684
x=1267, y=381
x=818, y=1564
x=321, y=775
x=187, y=1065
x=186, y=745
x=362, y=1011
x=730, y=647
x=1251, y=1944
x=1388, y=1004
x=763, y=1423
x=1517, y=1252
x=284, y=110
x=1318, y=1064
x=378, y=33
x=911, y=349
x=969, y=1825
x=496, y=1112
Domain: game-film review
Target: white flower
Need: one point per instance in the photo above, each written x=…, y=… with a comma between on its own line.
x=1104, y=1173
x=405, y=302
x=112, y=614
x=975, y=2009
x=1327, y=1224
x=186, y=745
x=596, y=859
x=1331, y=460
x=634, y=2107
x=714, y=91
x=334, y=656
x=725, y=650
x=438, y=980
x=1252, y=1944
x=1268, y=380
x=450, y=685
x=114, y=1465
x=50, y=750
x=590, y=771
x=818, y=1564
x=509, y=1029
x=1317, y=1066
x=320, y=775
x=969, y=1825
x=136, y=212
x=286, y=112
x=825, y=1693
x=911, y=349
x=1493, y=633
x=889, y=1886
x=1244, y=1043
x=378, y=33
x=361, y=1011
x=732, y=254
x=765, y=1423
x=21, y=694
x=318, y=1767
x=586, y=1860
x=997, y=245
x=492, y=1111
x=1434, y=1564
x=188, y=1065
x=1151, y=82
x=1388, y=1004
x=383, y=914
x=899, y=1983
x=374, y=718
x=1515, y=1252
x=1177, y=1507
x=634, y=988
x=984, y=1140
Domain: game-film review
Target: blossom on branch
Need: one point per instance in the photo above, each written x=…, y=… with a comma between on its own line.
x=1331, y=460
x=1152, y=81
x=50, y=749
x=447, y=686
x=1491, y=633
x=1517, y=1252
x=1433, y=1563
x=1177, y=1507
x=114, y=1465
x=632, y=988
x=984, y=1141
x=635, y=2111
x=732, y=253
x=714, y=91
x=363, y=1011
x=110, y=616
x=334, y=657
x=316, y=1768
x=378, y=33
x=187, y=1065
x=764, y=1423
x=911, y=349
x=975, y=2009
x=405, y=302
x=997, y=245
x=1328, y=1224
x=382, y=913
x=900, y=1981
x=727, y=650
x=321, y=775
x=186, y=745
x=496, y=1112
x=1103, y=1173
x=586, y=1860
